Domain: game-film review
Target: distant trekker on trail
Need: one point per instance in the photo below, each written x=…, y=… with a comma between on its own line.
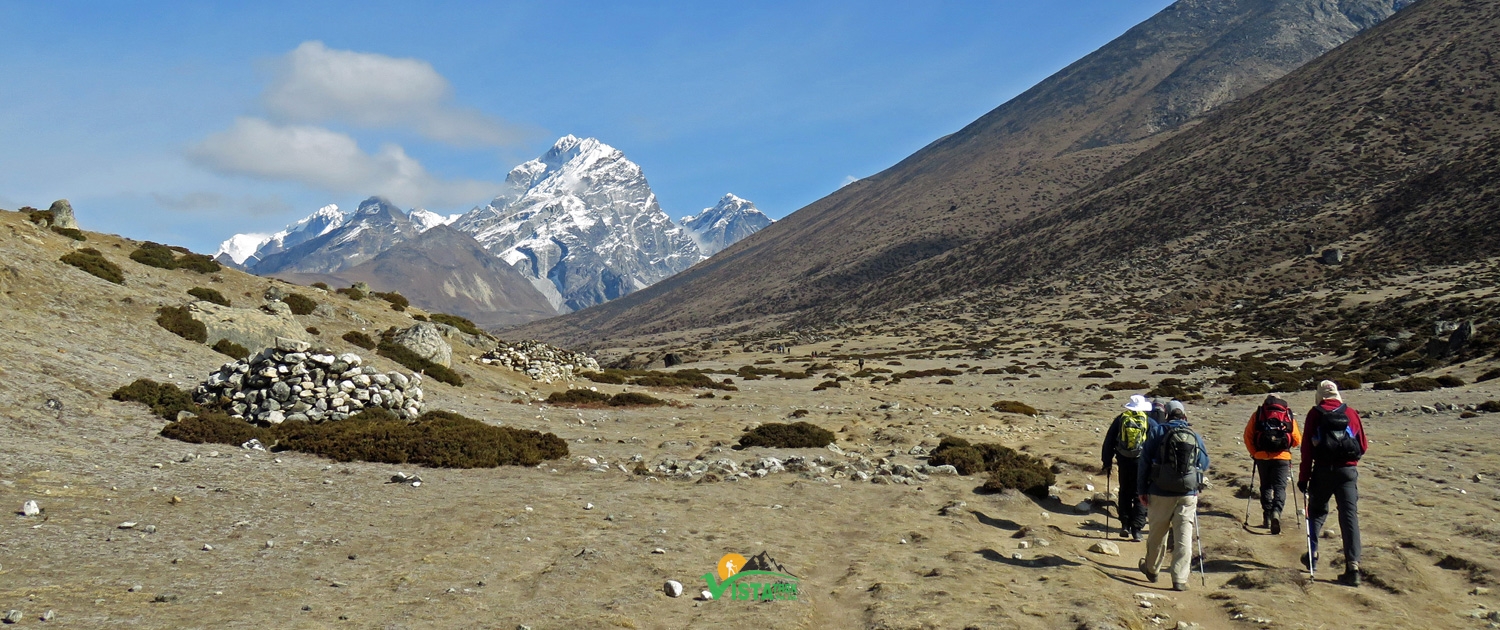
x=1270, y=436
x=1172, y=466
x=1335, y=441
x=1124, y=442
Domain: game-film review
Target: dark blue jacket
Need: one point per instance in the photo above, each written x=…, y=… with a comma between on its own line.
x=1151, y=456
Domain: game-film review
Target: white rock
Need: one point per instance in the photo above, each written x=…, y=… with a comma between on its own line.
x=672, y=588
x=30, y=508
x=208, y=547
x=1084, y=507
x=1105, y=547
x=127, y=525
x=589, y=506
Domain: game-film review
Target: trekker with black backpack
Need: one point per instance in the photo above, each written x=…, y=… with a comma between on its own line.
x=1270, y=436
x=1172, y=465
x=1335, y=442
x=1123, y=442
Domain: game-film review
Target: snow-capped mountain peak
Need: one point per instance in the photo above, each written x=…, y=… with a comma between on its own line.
x=247, y=249
x=425, y=220
x=725, y=224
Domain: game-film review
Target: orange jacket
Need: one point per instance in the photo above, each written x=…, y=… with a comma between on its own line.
x=1250, y=440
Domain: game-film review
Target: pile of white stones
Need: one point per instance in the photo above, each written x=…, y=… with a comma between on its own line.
x=288, y=382
x=850, y=466
x=539, y=361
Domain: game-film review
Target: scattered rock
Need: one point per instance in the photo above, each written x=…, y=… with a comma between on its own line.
x=658, y=551
x=1105, y=547
x=30, y=508
x=208, y=547
x=62, y=215
x=402, y=477
x=1084, y=507
x=1332, y=256
x=14, y=616
x=127, y=525
x=165, y=598
x=424, y=340
x=672, y=588
x=47, y=616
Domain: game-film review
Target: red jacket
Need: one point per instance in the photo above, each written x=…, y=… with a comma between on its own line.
x=1312, y=427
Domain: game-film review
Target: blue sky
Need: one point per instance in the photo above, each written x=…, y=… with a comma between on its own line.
x=187, y=122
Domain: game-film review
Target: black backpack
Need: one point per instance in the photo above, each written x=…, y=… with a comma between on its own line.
x=1177, y=462
x=1336, y=441
x=1273, y=426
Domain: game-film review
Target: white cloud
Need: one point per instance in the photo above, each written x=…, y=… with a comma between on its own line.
x=848, y=179
x=329, y=160
x=201, y=202
x=316, y=84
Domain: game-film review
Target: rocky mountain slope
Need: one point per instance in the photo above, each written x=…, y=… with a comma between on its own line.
x=1381, y=149
x=728, y=222
x=447, y=271
x=1010, y=166
x=582, y=223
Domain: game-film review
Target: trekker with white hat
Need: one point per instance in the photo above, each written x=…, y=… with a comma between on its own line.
x=1334, y=441
x=1123, y=442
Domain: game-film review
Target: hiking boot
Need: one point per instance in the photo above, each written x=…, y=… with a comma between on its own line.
x=1265, y=519
x=1179, y=586
x=1350, y=576
x=1135, y=535
x=1304, y=560
x=1276, y=526
x=1150, y=575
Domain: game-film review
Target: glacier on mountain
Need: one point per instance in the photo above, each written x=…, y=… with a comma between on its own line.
x=727, y=223
x=582, y=224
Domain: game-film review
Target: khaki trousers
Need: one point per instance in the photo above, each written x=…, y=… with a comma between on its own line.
x=1177, y=515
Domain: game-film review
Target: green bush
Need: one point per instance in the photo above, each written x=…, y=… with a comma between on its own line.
x=209, y=295
x=313, y=330
x=1488, y=376
x=1449, y=380
x=636, y=399
x=300, y=304
x=215, y=427
x=1013, y=406
x=1176, y=389
x=967, y=459
x=398, y=353
x=578, y=397
x=1022, y=472
x=231, y=349
x=1008, y=468
x=1489, y=406
x=1248, y=388
x=649, y=378
x=925, y=373
x=72, y=233
x=165, y=257
x=359, y=339
x=319, y=285
x=92, y=261
x=457, y=322
x=352, y=293
x=827, y=385
x=1111, y=364
x=1096, y=374
x=177, y=320
x=164, y=399
x=780, y=435
x=398, y=301
x=1116, y=386
x=1413, y=384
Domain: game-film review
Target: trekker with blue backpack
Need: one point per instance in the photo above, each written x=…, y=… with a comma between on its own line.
x=1123, y=442
x=1172, y=465
x=1334, y=441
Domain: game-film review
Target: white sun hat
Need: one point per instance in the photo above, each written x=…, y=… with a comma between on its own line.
x=1138, y=403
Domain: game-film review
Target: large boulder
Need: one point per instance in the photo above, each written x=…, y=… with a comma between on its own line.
x=251, y=328
x=427, y=342
x=62, y=214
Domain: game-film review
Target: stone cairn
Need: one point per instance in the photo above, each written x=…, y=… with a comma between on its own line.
x=539, y=361
x=288, y=382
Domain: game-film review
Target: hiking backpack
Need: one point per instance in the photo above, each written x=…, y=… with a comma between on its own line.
x=1273, y=427
x=1132, y=438
x=1177, y=462
x=1336, y=441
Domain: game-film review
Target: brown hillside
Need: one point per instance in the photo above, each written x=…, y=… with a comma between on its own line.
x=1382, y=149
x=1005, y=167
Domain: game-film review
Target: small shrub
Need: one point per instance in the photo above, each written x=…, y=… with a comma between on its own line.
x=1022, y=472
x=1248, y=388
x=398, y=301
x=209, y=295
x=705, y=395
x=1013, y=406
x=177, y=320
x=1413, y=384
x=958, y=454
x=1347, y=383
x=636, y=399
x=1177, y=389
x=827, y=385
x=993, y=371
x=577, y=397
x=1111, y=364
x=359, y=339
x=1468, y=414
x=400, y=354
x=945, y=381
x=800, y=413
x=91, y=261
x=611, y=377
x=216, y=428
x=1488, y=376
x=1096, y=374
x=780, y=435
x=1116, y=386
x=457, y=322
x=300, y=304
x=154, y=255
x=1449, y=380
x=72, y=233
x=231, y=349
x=313, y=330
x=164, y=399
x=924, y=373
x=201, y=263
x=352, y=293
x=320, y=285
x=1489, y=406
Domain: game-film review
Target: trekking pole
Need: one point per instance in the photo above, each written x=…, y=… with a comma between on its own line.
x=1312, y=560
x=1109, y=474
x=1297, y=493
x=1198, y=531
x=1254, y=468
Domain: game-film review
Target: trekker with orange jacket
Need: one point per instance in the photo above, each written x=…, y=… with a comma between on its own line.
x=1270, y=436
